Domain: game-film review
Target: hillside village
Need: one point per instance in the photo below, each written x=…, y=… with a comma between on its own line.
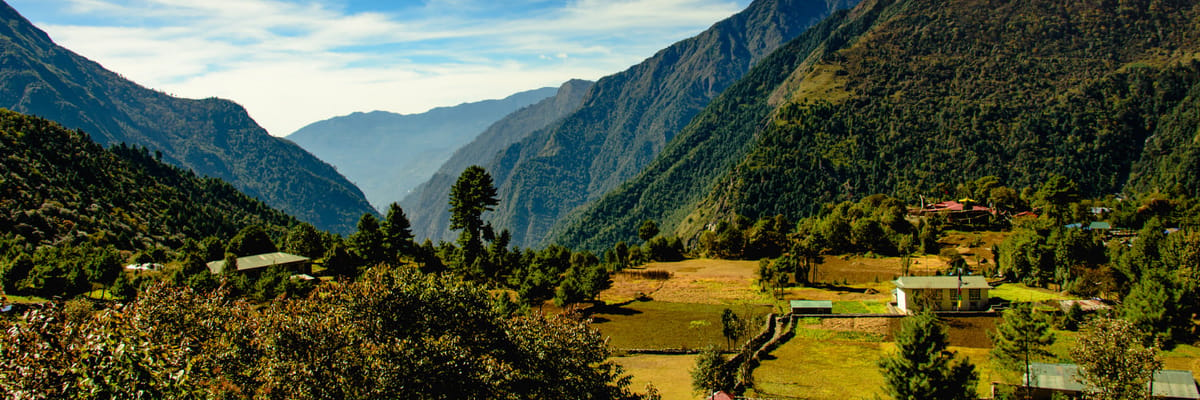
x=904, y=199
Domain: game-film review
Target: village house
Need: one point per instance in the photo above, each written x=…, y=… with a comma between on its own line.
x=942, y=293
x=1049, y=380
x=260, y=262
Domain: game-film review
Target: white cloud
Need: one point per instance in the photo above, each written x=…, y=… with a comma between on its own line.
x=292, y=63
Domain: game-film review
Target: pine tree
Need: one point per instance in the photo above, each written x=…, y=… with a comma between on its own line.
x=1022, y=337
x=922, y=368
x=367, y=243
x=470, y=196
x=397, y=233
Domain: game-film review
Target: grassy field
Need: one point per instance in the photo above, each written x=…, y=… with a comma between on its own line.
x=669, y=374
x=1017, y=292
x=662, y=325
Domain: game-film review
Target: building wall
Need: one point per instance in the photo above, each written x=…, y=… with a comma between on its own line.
x=940, y=299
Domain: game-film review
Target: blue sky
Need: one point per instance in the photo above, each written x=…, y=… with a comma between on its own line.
x=293, y=62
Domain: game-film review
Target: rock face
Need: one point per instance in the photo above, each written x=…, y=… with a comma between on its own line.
x=388, y=154
x=213, y=137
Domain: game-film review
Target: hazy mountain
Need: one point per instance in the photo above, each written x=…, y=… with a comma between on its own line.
x=213, y=137
x=387, y=154
x=909, y=97
x=627, y=118
x=59, y=187
x=427, y=206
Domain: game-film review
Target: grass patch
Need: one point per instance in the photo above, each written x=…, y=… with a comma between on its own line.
x=859, y=307
x=101, y=294
x=669, y=374
x=821, y=368
x=663, y=325
x=1016, y=292
x=14, y=299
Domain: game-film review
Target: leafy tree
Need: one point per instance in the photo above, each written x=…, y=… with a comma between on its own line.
x=472, y=195
x=648, y=230
x=340, y=262
x=304, y=240
x=1155, y=304
x=1113, y=361
x=732, y=327
x=251, y=240
x=922, y=368
x=1022, y=337
x=711, y=372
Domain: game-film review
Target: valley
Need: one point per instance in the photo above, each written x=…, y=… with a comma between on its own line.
x=809, y=199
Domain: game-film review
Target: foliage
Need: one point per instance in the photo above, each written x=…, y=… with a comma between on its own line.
x=345, y=340
x=251, y=240
x=470, y=197
x=1022, y=337
x=712, y=373
x=1113, y=361
x=922, y=368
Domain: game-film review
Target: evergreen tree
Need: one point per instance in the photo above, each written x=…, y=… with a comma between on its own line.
x=732, y=327
x=1022, y=337
x=397, y=232
x=368, y=242
x=470, y=196
x=1113, y=362
x=922, y=368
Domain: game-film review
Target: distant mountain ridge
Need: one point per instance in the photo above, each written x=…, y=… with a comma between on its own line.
x=427, y=206
x=909, y=97
x=387, y=154
x=213, y=137
x=628, y=118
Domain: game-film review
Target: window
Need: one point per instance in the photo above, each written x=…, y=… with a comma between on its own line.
x=974, y=294
x=935, y=294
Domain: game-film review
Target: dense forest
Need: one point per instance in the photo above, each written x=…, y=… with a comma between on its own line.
x=905, y=97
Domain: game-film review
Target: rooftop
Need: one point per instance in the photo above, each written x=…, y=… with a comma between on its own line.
x=1169, y=383
x=811, y=304
x=258, y=261
x=942, y=282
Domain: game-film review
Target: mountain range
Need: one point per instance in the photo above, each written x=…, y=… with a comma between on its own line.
x=430, y=197
x=910, y=97
x=387, y=154
x=627, y=118
x=213, y=137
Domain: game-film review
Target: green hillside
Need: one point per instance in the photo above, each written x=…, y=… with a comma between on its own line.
x=909, y=96
x=426, y=204
x=60, y=188
x=211, y=136
x=628, y=118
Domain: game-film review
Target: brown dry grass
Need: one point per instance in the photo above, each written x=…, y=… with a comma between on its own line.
x=669, y=374
x=700, y=281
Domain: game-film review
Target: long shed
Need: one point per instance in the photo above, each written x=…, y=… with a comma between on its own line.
x=811, y=307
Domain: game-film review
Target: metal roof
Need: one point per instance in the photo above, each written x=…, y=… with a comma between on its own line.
x=258, y=261
x=811, y=304
x=941, y=282
x=1171, y=383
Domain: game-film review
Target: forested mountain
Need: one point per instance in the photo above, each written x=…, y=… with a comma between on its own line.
x=60, y=188
x=908, y=97
x=388, y=154
x=213, y=137
x=627, y=118
x=427, y=206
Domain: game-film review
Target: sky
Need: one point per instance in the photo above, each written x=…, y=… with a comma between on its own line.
x=294, y=62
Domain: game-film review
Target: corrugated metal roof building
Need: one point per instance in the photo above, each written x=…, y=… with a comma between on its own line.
x=256, y=262
x=1048, y=379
